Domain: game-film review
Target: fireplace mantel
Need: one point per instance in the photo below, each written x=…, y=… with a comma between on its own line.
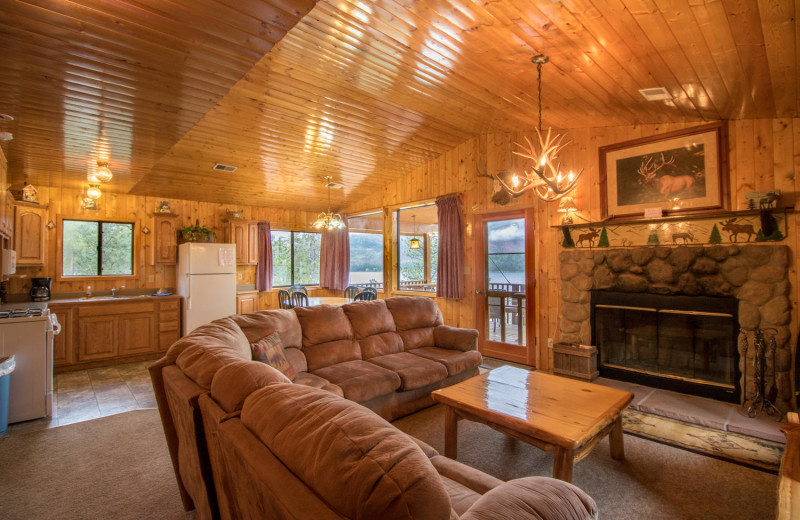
x=757, y=275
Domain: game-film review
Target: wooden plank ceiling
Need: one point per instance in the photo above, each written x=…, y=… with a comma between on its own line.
x=364, y=91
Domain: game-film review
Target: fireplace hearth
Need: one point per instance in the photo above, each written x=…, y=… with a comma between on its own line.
x=681, y=343
x=754, y=276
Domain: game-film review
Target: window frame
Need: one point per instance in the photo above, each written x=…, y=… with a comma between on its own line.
x=395, y=214
x=382, y=232
x=291, y=256
x=60, y=248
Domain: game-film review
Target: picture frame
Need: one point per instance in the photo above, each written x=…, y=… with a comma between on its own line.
x=681, y=172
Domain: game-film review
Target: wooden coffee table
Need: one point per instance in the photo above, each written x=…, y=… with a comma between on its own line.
x=550, y=412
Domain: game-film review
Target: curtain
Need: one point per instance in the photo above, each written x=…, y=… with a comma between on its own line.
x=450, y=280
x=264, y=267
x=334, y=258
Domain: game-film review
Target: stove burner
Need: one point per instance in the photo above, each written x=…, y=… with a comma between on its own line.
x=21, y=313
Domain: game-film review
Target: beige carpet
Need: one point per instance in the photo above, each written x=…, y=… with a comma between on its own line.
x=115, y=467
x=654, y=482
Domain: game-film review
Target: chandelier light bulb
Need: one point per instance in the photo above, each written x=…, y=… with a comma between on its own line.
x=101, y=174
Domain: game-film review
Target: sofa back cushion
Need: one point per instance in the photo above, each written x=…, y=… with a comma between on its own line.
x=327, y=336
x=373, y=328
x=411, y=312
x=355, y=461
x=219, y=334
x=234, y=382
x=208, y=348
x=256, y=325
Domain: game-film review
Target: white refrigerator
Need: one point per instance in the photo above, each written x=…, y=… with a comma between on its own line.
x=207, y=281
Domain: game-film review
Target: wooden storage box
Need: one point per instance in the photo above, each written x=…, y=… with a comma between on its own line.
x=572, y=361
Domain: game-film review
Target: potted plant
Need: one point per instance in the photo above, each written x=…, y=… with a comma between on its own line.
x=196, y=233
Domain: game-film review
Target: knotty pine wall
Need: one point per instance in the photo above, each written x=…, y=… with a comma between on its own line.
x=66, y=202
x=764, y=154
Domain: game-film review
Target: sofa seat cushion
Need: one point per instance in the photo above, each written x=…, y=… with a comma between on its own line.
x=414, y=371
x=456, y=361
x=360, y=380
x=358, y=463
x=304, y=378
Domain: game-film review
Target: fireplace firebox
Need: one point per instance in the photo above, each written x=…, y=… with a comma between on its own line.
x=682, y=343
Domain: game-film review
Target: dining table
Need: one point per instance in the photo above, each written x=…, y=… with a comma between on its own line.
x=327, y=300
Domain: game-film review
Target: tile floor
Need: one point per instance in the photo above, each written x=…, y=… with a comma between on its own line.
x=88, y=394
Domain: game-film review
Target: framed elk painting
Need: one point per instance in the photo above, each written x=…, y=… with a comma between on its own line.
x=680, y=172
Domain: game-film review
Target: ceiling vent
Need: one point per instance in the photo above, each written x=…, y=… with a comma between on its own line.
x=334, y=185
x=225, y=168
x=655, y=94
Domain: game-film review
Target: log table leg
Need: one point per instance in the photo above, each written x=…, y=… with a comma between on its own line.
x=615, y=440
x=562, y=465
x=450, y=433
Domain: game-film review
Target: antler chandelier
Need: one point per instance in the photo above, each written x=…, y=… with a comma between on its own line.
x=329, y=220
x=545, y=177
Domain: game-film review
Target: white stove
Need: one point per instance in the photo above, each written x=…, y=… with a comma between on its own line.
x=26, y=332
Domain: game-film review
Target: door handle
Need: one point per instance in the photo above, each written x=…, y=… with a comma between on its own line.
x=478, y=291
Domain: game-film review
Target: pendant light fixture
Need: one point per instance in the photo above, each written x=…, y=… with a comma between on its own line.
x=414, y=244
x=545, y=177
x=329, y=220
x=101, y=174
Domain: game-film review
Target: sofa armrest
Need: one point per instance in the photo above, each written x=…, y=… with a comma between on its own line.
x=455, y=339
x=536, y=498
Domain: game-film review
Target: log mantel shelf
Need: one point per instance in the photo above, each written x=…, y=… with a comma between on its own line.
x=671, y=218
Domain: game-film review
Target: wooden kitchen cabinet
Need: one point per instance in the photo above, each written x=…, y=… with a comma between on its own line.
x=108, y=332
x=29, y=222
x=7, y=220
x=165, y=239
x=63, y=351
x=246, y=302
x=243, y=233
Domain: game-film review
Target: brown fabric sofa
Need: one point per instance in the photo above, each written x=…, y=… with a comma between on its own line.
x=287, y=451
x=387, y=355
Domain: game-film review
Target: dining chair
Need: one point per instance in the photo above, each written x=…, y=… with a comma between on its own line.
x=350, y=291
x=299, y=299
x=365, y=296
x=372, y=290
x=298, y=288
x=284, y=300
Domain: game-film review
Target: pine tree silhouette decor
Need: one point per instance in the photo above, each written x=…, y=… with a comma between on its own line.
x=715, y=237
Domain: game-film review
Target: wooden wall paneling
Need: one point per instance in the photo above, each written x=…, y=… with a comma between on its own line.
x=745, y=157
x=763, y=156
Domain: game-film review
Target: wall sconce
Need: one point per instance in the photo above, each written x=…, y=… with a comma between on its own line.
x=51, y=225
x=567, y=205
x=146, y=230
x=93, y=192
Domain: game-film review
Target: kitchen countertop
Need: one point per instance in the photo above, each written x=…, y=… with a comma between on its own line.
x=107, y=298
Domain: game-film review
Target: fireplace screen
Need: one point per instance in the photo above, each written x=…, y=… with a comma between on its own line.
x=660, y=338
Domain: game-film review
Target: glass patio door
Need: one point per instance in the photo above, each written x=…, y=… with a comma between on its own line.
x=502, y=287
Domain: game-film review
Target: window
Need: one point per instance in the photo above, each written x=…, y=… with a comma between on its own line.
x=366, y=250
x=417, y=268
x=95, y=248
x=295, y=258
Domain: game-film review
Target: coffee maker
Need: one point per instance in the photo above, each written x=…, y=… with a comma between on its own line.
x=40, y=290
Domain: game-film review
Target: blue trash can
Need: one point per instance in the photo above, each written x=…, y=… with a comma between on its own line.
x=7, y=365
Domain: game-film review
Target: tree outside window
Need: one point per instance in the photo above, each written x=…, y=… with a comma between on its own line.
x=295, y=258
x=96, y=248
x=366, y=249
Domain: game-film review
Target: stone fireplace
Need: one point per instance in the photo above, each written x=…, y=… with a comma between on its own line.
x=756, y=276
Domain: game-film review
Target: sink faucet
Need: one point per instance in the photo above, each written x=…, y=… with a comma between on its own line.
x=88, y=291
x=114, y=291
